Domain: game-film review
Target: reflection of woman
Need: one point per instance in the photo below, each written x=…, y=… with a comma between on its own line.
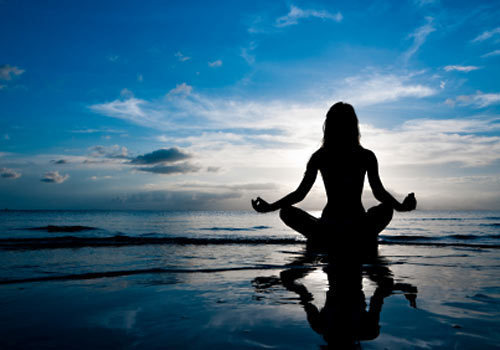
x=343, y=163
x=345, y=317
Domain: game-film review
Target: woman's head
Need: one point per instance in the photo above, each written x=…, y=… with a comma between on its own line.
x=341, y=127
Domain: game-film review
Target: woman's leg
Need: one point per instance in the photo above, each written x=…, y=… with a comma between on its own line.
x=378, y=218
x=300, y=221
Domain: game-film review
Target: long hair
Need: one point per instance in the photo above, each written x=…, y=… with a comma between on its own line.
x=341, y=130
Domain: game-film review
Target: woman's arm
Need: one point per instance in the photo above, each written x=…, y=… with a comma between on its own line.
x=296, y=196
x=380, y=193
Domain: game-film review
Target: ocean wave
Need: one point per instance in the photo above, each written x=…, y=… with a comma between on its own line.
x=495, y=224
x=61, y=228
x=123, y=241
x=253, y=228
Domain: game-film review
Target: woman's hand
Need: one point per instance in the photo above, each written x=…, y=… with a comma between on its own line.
x=261, y=205
x=409, y=203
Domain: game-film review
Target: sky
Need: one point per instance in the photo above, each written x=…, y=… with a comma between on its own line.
x=196, y=105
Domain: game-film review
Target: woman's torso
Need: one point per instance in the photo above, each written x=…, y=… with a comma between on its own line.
x=343, y=175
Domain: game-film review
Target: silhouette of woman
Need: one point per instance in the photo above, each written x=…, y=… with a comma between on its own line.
x=343, y=163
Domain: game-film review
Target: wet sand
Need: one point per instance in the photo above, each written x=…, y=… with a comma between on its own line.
x=262, y=297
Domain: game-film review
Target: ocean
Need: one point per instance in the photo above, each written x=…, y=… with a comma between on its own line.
x=153, y=279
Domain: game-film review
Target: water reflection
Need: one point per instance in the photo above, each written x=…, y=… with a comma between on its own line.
x=346, y=318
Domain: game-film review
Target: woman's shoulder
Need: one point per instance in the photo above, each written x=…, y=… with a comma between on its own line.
x=316, y=158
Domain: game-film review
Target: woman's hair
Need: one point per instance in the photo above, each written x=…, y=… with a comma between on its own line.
x=341, y=130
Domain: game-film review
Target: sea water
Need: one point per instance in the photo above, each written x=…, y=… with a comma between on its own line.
x=152, y=279
x=33, y=243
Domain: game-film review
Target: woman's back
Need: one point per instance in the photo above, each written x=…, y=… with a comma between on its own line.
x=343, y=175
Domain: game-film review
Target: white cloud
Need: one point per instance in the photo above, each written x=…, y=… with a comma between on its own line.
x=114, y=152
x=478, y=99
x=296, y=13
x=419, y=36
x=216, y=63
x=432, y=142
x=126, y=93
x=181, y=57
x=7, y=72
x=54, y=177
x=181, y=89
x=442, y=84
x=97, y=178
x=492, y=53
x=486, y=35
x=7, y=173
x=465, y=69
x=378, y=88
x=129, y=109
x=246, y=53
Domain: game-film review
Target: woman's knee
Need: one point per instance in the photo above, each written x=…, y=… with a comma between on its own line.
x=286, y=213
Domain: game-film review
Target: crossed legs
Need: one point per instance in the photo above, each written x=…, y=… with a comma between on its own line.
x=376, y=219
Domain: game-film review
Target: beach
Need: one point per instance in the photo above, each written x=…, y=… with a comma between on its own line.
x=239, y=280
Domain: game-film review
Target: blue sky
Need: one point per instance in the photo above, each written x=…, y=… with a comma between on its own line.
x=204, y=105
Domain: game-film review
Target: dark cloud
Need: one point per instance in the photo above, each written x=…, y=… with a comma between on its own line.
x=171, y=169
x=60, y=161
x=213, y=169
x=54, y=177
x=7, y=173
x=165, y=155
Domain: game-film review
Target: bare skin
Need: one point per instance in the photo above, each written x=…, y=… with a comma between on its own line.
x=343, y=176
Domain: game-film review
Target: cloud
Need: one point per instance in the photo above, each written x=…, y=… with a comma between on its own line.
x=166, y=155
x=214, y=64
x=181, y=57
x=129, y=109
x=378, y=88
x=478, y=100
x=295, y=14
x=235, y=186
x=96, y=178
x=7, y=173
x=54, y=177
x=246, y=53
x=181, y=89
x=60, y=161
x=126, y=93
x=486, y=35
x=419, y=36
x=465, y=69
x=114, y=152
x=113, y=58
x=7, y=72
x=425, y=2
x=492, y=53
x=427, y=142
x=181, y=168
x=93, y=131
x=140, y=78
x=173, y=199
x=213, y=169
